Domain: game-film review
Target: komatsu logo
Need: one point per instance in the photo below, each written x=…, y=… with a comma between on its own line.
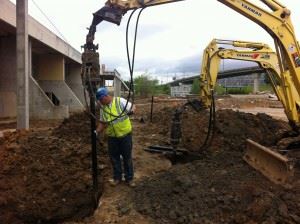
x=251, y=10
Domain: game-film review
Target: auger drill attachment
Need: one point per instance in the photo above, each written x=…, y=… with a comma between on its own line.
x=175, y=135
x=173, y=151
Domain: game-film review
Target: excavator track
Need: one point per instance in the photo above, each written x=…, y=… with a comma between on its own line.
x=276, y=167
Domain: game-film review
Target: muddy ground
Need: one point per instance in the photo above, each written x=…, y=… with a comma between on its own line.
x=45, y=175
x=220, y=187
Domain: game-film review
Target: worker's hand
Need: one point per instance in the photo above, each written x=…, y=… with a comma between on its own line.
x=96, y=133
x=131, y=112
x=100, y=127
x=133, y=109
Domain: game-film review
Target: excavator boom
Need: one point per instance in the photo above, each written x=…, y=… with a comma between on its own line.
x=278, y=24
x=251, y=51
x=113, y=12
x=129, y=5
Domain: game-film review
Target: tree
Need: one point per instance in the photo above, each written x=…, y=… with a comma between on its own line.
x=144, y=86
x=196, y=86
x=163, y=89
x=127, y=83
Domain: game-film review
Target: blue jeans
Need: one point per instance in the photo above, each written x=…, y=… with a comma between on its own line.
x=118, y=147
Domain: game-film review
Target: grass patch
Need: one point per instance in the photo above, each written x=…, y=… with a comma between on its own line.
x=220, y=90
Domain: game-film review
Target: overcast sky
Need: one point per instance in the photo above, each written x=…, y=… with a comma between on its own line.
x=171, y=37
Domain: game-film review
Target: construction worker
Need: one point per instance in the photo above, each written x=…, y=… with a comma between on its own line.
x=118, y=129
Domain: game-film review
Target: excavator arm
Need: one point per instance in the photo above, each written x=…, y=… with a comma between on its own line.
x=278, y=24
x=254, y=52
x=251, y=51
x=113, y=12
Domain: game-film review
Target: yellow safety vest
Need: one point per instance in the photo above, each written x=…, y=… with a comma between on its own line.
x=116, y=127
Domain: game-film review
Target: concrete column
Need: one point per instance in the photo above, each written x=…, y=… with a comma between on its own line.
x=256, y=83
x=117, y=87
x=22, y=65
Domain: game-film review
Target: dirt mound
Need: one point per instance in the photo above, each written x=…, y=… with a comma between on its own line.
x=220, y=187
x=77, y=127
x=234, y=127
x=231, y=129
x=45, y=176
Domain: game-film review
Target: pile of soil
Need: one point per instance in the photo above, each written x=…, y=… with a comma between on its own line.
x=45, y=176
x=231, y=128
x=220, y=187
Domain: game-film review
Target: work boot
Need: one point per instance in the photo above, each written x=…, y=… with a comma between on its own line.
x=131, y=183
x=114, y=183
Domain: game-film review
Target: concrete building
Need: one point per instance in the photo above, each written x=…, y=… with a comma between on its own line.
x=114, y=83
x=181, y=90
x=55, y=87
x=247, y=80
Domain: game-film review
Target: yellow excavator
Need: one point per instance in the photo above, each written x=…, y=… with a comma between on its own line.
x=279, y=170
x=276, y=21
x=260, y=53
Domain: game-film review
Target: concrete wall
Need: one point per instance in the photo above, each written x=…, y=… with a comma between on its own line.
x=40, y=105
x=8, y=76
x=240, y=81
x=51, y=67
x=64, y=94
x=38, y=31
x=73, y=80
x=181, y=90
x=117, y=87
x=8, y=105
